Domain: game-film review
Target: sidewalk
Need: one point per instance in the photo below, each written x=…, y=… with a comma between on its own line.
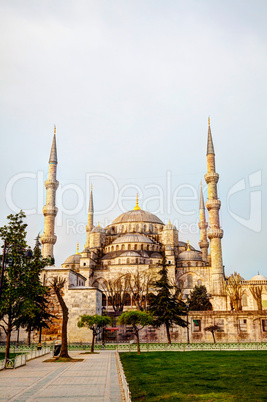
x=94, y=379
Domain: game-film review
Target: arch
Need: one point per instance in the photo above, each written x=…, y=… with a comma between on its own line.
x=117, y=247
x=144, y=228
x=96, y=284
x=128, y=261
x=123, y=247
x=112, y=248
x=109, y=301
x=127, y=299
x=199, y=282
x=142, y=247
x=244, y=300
x=136, y=260
x=147, y=247
x=104, y=300
x=129, y=247
x=135, y=246
x=189, y=281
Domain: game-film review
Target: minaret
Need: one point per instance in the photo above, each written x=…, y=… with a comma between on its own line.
x=215, y=233
x=203, y=244
x=90, y=220
x=49, y=238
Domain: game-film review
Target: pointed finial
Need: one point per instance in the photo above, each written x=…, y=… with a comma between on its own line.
x=209, y=120
x=77, y=252
x=169, y=222
x=55, y=129
x=201, y=199
x=98, y=225
x=210, y=147
x=136, y=206
x=53, y=153
x=91, y=203
x=188, y=247
x=91, y=187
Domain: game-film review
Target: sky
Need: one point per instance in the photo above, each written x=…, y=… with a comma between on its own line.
x=129, y=85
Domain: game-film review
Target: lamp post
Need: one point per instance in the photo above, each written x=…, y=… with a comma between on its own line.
x=103, y=329
x=187, y=321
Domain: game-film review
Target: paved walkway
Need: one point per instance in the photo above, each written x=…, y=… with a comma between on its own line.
x=94, y=379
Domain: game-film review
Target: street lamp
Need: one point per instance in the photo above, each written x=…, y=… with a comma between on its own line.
x=187, y=310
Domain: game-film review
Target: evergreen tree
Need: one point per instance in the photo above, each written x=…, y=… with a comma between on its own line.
x=164, y=305
x=20, y=280
x=199, y=300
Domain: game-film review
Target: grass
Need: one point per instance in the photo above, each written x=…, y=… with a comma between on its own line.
x=11, y=355
x=192, y=376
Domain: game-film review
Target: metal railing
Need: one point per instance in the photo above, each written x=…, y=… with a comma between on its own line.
x=122, y=378
x=21, y=359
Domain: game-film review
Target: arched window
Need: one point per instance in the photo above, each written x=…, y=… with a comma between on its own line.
x=144, y=228
x=147, y=247
x=199, y=282
x=135, y=246
x=109, y=301
x=136, y=260
x=117, y=247
x=119, y=260
x=244, y=300
x=142, y=247
x=104, y=300
x=112, y=248
x=190, y=281
x=127, y=299
x=128, y=261
x=129, y=247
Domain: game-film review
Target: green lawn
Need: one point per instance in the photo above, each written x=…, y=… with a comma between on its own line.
x=190, y=376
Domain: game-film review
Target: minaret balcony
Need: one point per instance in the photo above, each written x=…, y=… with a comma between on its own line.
x=50, y=239
x=213, y=204
x=212, y=177
x=203, y=244
x=202, y=225
x=51, y=184
x=50, y=210
x=215, y=233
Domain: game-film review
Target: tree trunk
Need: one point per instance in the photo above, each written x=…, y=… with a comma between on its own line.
x=168, y=333
x=138, y=343
x=93, y=343
x=8, y=336
x=259, y=305
x=65, y=312
x=213, y=334
x=29, y=337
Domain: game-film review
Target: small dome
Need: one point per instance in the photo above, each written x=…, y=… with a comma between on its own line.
x=132, y=238
x=169, y=226
x=143, y=254
x=190, y=256
x=130, y=254
x=73, y=259
x=156, y=255
x=258, y=278
x=137, y=216
x=98, y=229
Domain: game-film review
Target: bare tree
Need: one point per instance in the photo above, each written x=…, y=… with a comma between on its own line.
x=256, y=292
x=140, y=283
x=57, y=285
x=234, y=290
x=116, y=290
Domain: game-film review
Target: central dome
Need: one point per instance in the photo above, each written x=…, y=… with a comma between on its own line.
x=137, y=216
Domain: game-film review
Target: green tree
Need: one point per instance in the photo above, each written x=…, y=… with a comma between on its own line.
x=19, y=278
x=213, y=329
x=199, y=300
x=138, y=320
x=36, y=306
x=95, y=323
x=166, y=307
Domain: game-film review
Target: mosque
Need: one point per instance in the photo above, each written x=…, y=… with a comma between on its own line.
x=136, y=241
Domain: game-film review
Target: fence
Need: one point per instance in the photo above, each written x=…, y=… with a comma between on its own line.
x=122, y=378
x=20, y=360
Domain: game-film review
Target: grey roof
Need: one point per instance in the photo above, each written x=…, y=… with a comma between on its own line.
x=201, y=199
x=189, y=256
x=98, y=229
x=137, y=216
x=73, y=259
x=53, y=153
x=258, y=278
x=210, y=148
x=132, y=238
x=156, y=255
x=130, y=254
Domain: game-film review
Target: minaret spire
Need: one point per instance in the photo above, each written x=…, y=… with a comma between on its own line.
x=203, y=244
x=90, y=219
x=215, y=233
x=49, y=238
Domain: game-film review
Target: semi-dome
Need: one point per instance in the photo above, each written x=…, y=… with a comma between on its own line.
x=156, y=255
x=73, y=259
x=189, y=256
x=169, y=226
x=259, y=278
x=132, y=238
x=130, y=254
x=137, y=216
x=98, y=229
